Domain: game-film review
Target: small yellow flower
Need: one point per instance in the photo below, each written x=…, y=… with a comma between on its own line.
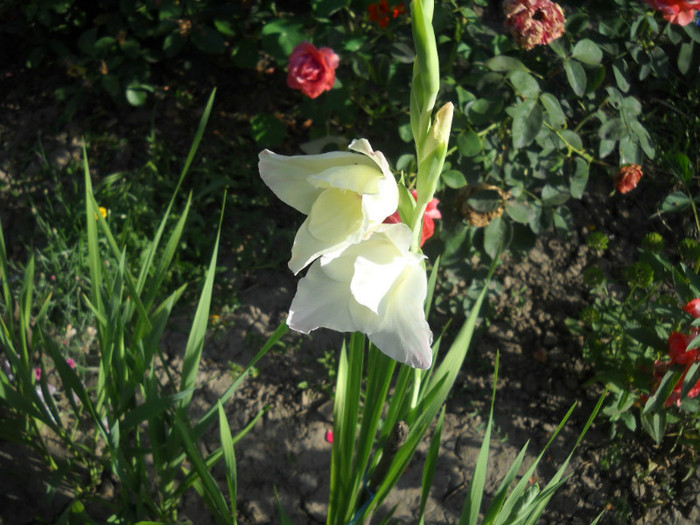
x=103, y=211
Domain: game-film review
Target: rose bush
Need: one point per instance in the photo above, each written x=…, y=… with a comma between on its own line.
x=312, y=70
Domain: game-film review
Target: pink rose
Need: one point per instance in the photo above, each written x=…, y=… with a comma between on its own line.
x=628, y=177
x=681, y=12
x=693, y=308
x=312, y=70
x=534, y=22
x=431, y=213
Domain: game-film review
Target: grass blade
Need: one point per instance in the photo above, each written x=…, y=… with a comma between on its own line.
x=284, y=517
x=431, y=464
x=229, y=459
x=472, y=505
x=198, y=332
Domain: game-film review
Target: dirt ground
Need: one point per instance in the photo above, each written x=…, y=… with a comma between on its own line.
x=542, y=374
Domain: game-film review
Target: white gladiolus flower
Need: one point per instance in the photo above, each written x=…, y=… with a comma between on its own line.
x=345, y=196
x=377, y=287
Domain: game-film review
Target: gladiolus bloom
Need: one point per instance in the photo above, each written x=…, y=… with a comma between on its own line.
x=680, y=12
x=344, y=194
x=693, y=308
x=376, y=287
x=312, y=70
x=534, y=22
x=628, y=177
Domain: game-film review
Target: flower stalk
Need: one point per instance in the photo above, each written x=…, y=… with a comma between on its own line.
x=430, y=135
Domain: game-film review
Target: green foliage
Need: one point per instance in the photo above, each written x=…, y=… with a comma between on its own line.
x=628, y=339
x=133, y=424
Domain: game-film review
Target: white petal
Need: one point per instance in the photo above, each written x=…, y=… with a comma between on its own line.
x=373, y=279
x=363, y=176
x=336, y=214
x=363, y=146
x=379, y=262
x=307, y=248
x=288, y=177
x=403, y=333
x=335, y=221
x=321, y=302
x=380, y=205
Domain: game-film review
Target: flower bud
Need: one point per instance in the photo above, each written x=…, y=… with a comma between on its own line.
x=426, y=69
x=628, y=177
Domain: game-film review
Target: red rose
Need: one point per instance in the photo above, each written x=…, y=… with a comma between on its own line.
x=534, y=22
x=628, y=177
x=681, y=12
x=312, y=70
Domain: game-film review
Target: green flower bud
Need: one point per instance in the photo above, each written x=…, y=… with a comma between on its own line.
x=427, y=66
x=653, y=242
x=639, y=274
x=590, y=315
x=598, y=241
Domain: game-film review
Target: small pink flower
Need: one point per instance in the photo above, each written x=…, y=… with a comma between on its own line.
x=680, y=12
x=71, y=363
x=431, y=213
x=37, y=373
x=693, y=308
x=628, y=177
x=534, y=22
x=329, y=436
x=312, y=70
